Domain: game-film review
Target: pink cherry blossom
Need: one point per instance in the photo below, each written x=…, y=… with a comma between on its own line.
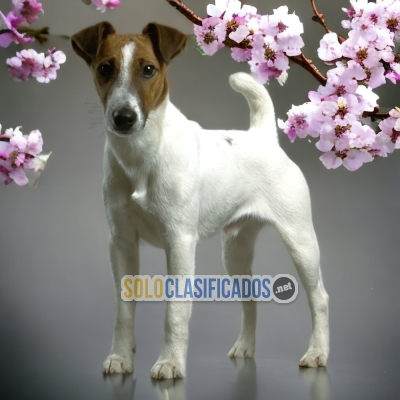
x=241, y=55
x=339, y=82
x=335, y=113
x=281, y=23
x=29, y=63
x=24, y=64
x=104, y=5
x=18, y=153
x=240, y=33
x=368, y=97
x=392, y=17
x=299, y=122
x=382, y=145
x=329, y=47
x=218, y=9
x=5, y=169
x=264, y=71
x=7, y=173
x=17, y=140
x=232, y=8
x=353, y=70
x=14, y=20
x=51, y=64
x=391, y=127
x=210, y=35
x=267, y=40
x=362, y=136
x=27, y=10
x=17, y=174
x=12, y=35
x=370, y=22
x=359, y=49
x=331, y=160
x=34, y=143
x=236, y=18
x=356, y=158
x=335, y=116
x=351, y=160
x=268, y=61
x=37, y=163
x=377, y=76
x=287, y=28
x=393, y=76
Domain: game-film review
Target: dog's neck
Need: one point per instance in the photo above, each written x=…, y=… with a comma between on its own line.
x=139, y=152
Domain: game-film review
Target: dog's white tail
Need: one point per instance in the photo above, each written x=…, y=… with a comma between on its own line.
x=262, y=114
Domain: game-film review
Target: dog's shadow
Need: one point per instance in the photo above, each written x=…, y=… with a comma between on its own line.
x=320, y=382
x=246, y=382
x=246, y=379
x=123, y=386
x=170, y=389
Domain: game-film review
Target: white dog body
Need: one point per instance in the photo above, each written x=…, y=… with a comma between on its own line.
x=171, y=183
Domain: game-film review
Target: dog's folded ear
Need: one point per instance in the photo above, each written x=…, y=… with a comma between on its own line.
x=86, y=43
x=167, y=42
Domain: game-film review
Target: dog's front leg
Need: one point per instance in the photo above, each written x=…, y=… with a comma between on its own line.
x=124, y=257
x=171, y=363
x=124, y=260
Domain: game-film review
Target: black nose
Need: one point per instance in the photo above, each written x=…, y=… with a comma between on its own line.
x=124, y=118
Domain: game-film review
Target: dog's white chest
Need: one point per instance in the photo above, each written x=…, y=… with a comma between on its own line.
x=139, y=196
x=148, y=226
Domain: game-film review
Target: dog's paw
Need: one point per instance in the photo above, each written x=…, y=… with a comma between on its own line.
x=168, y=370
x=242, y=348
x=115, y=364
x=314, y=358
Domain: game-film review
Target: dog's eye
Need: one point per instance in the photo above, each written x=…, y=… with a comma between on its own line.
x=105, y=70
x=148, y=71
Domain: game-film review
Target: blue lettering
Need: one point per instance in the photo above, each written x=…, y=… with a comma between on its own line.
x=188, y=289
x=236, y=288
x=167, y=294
x=225, y=294
x=177, y=296
x=267, y=292
x=244, y=282
x=256, y=291
x=199, y=292
x=210, y=286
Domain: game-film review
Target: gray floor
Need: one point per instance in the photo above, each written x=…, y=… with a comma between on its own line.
x=56, y=294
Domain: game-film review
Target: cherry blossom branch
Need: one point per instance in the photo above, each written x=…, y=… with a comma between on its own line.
x=308, y=65
x=187, y=12
x=318, y=17
x=39, y=34
x=374, y=115
x=301, y=60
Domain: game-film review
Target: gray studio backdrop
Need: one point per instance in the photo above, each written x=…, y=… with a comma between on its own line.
x=56, y=292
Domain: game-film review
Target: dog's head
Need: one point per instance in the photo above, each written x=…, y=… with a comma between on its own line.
x=129, y=71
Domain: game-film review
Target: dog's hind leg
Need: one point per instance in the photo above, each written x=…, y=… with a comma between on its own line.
x=238, y=241
x=294, y=223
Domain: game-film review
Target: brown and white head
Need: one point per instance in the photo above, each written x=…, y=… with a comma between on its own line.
x=129, y=71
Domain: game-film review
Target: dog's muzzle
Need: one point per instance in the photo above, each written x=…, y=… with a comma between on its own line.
x=124, y=119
